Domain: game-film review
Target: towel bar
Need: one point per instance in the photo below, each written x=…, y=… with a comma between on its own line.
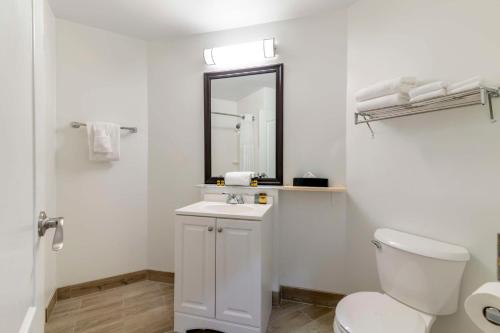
x=76, y=124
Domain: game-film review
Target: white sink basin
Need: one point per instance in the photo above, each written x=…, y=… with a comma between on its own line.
x=227, y=208
x=224, y=210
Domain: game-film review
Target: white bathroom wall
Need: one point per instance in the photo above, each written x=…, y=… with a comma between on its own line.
x=437, y=174
x=312, y=226
x=101, y=76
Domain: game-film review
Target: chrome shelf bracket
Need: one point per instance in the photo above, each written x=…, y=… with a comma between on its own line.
x=491, y=94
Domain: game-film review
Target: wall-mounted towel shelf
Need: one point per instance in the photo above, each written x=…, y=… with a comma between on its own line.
x=480, y=96
x=76, y=124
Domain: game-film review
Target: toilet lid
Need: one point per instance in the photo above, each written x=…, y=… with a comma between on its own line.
x=370, y=312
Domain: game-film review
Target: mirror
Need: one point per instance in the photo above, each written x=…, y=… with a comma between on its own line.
x=244, y=123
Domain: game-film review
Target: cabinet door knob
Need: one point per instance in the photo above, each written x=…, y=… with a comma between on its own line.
x=219, y=229
x=210, y=229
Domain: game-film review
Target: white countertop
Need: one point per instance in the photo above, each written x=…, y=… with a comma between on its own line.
x=227, y=211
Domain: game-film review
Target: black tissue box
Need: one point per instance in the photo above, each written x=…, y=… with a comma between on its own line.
x=311, y=182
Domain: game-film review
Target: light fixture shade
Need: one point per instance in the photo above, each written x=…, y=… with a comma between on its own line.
x=269, y=48
x=239, y=54
x=209, y=59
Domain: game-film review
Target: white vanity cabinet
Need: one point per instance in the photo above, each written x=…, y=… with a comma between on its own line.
x=195, y=265
x=238, y=271
x=222, y=274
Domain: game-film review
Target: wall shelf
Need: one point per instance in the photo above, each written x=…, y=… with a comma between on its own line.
x=480, y=96
x=334, y=189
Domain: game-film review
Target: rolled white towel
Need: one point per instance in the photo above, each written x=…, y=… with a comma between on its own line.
x=467, y=87
x=472, y=86
x=427, y=88
x=429, y=95
x=383, y=102
x=387, y=87
x=467, y=82
x=238, y=178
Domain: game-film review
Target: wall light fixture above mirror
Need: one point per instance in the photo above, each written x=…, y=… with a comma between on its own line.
x=245, y=53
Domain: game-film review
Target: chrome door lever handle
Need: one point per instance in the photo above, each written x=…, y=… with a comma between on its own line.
x=45, y=223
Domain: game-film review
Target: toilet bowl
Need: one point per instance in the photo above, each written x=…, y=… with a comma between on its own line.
x=421, y=279
x=378, y=313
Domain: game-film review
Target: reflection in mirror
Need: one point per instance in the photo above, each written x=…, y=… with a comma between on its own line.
x=243, y=121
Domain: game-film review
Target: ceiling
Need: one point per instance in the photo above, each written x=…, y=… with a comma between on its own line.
x=158, y=19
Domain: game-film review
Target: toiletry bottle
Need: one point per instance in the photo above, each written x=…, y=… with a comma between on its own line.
x=254, y=182
x=263, y=198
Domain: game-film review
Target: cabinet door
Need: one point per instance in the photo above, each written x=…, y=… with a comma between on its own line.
x=238, y=272
x=195, y=265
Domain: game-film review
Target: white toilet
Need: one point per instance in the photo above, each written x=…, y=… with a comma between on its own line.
x=421, y=279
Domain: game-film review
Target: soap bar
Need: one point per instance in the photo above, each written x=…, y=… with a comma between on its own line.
x=311, y=182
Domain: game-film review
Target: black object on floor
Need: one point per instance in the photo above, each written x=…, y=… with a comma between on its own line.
x=202, y=331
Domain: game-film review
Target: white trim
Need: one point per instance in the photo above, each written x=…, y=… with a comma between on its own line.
x=28, y=320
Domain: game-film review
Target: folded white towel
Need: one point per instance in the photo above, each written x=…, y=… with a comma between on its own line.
x=103, y=141
x=388, y=87
x=238, y=178
x=467, y=87
x=467, y=82
x=429, y=95
x=427, y=88
x=383, y=102
x=472, y=86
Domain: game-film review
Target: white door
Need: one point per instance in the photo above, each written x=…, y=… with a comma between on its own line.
x=271, y=148
x=267, y=142
x=195, y=265
x=21, y=263
x=238, y=271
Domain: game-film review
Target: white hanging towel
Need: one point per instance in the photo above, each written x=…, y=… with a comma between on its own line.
x=388, y=87
x=104, y=141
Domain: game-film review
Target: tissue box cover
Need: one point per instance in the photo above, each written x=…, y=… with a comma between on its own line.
x=311, y=182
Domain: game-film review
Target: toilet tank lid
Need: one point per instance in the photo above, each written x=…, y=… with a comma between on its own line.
x=422, y=246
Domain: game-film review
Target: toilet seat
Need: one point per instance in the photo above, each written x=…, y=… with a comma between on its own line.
x=371, y=312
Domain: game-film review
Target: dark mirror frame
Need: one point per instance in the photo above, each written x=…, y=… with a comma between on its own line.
x=208, y=77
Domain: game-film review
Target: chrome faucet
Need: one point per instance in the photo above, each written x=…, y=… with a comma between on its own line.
x=234, y=199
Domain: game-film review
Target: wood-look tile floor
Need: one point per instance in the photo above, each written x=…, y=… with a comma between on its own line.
x=147, y=307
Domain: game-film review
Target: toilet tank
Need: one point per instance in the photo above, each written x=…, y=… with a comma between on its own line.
x=420, y=272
